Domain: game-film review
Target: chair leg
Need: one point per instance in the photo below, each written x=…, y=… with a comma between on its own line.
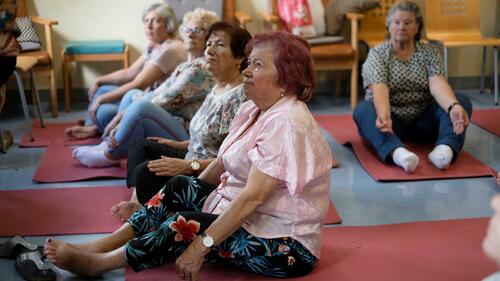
x=65, y=72
x=37, y=97
x=354, y=85
x=126, y=61
x=483, y=70
x=53, y=92
x=25, y=104
x=495, y=72
x=337, y=83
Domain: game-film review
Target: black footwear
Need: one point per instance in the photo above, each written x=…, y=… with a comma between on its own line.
x=33, y=266
x=15, y=245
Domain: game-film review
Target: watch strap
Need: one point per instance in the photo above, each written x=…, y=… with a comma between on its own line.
x=451, y=106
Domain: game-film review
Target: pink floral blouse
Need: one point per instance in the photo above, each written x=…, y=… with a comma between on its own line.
x=286, y=143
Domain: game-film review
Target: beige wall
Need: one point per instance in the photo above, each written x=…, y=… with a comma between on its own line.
x=120, y=19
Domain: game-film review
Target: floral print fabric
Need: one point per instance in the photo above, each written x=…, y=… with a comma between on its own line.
x=210, y=125
x=184, y=91
x=162, y=235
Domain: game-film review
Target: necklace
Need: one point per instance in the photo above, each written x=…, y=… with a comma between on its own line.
x=232, y=83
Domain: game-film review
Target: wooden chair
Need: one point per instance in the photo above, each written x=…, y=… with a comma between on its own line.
x=25, y=65
x=328, y=57
x=456, y=23
x=86, y=51
x=373, y=30
x=45, y=64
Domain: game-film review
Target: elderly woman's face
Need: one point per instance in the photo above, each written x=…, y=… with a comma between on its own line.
x=261, y=76
x=218, y=53
x=193, y=35
x=154, y=27
x=403, y=26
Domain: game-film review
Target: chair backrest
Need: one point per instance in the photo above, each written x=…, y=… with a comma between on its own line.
x=21, y=8
x=223, y=8
x=452, y=19
x=372, y=29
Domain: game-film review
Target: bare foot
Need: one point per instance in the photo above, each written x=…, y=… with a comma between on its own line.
x=67, y=257
x=125, y=209
x=81, y=132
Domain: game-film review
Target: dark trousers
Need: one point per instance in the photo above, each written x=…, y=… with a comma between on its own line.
x=146, y=183
x=434, y=125
x=7, y=66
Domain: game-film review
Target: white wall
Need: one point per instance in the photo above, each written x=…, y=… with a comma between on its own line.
x=120, y=19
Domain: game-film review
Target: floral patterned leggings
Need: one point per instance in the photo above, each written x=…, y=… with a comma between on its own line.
x=166, y=225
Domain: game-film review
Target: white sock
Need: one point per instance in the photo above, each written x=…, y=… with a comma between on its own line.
x=441, y=156
x=94, y=157
x=79, y=149
x=405, y=159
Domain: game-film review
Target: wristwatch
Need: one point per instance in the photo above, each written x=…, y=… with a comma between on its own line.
x=195, y=165
x=451, y=106
x=207, y=240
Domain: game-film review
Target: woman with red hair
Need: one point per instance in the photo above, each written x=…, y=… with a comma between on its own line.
x=259, y=206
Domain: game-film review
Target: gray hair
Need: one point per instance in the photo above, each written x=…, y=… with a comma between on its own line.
x=406, y=6
x=166, y=12
x=207, y=18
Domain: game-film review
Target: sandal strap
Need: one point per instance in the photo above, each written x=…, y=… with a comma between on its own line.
x=35, y=257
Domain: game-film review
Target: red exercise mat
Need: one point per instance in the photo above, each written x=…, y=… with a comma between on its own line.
x=332, y=216
x=60, y=211
x=58, y=165
x=344, y=130
x=488, y=119
x=53, y=131
x=419, y=251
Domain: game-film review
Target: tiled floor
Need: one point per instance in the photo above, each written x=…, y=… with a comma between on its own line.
x=359, y=199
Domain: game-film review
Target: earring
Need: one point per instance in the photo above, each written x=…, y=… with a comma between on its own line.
x=282, y=92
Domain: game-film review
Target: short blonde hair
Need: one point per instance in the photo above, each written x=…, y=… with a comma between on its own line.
x=166, y=12
x=206, y=18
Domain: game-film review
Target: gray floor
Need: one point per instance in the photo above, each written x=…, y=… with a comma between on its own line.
x=359, y=199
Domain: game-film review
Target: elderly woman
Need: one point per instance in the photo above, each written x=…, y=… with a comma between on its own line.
x=167, y=110
x=152, y=162
x=163, y=54
x=210, y=124
x=273, y=176
x=408, y=96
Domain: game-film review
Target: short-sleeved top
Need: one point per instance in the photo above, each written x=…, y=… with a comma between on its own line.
x=184, y=90
x=286, y=143
x=210, y=125
x=166, y=56
x=408, y=80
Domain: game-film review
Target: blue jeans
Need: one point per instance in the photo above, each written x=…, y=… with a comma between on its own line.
x=128, y=98
x=144, y=119
x=106, y=111
x=434, y=125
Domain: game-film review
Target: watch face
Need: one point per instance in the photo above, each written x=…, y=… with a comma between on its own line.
x=195, y=165
x=208, y=241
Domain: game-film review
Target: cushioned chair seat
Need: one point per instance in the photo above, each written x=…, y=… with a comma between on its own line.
x=338, y=51
x=95, y=47
x=42, y=56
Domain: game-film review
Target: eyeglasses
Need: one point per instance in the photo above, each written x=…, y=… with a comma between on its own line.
x=193, y=30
